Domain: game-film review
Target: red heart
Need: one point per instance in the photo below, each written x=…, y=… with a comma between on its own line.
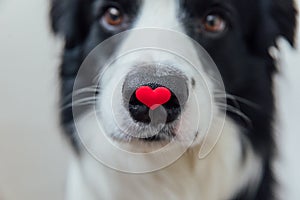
x=153, y=98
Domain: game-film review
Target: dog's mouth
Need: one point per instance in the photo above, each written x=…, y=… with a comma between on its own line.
x=159, y=137
x=165, y=135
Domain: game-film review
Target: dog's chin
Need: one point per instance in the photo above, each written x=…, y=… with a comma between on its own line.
x=146, y=134
x=144, y=138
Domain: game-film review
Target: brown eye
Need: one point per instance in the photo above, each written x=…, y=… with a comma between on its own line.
x=214, y=23
x=113, y=16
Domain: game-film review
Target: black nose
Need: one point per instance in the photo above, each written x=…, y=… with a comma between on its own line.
x=151, y=97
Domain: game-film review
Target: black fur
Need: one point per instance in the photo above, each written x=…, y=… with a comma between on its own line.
x=241, y=55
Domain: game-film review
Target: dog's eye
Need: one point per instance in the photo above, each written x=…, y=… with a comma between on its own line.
x=214, y=23
x=113, y=16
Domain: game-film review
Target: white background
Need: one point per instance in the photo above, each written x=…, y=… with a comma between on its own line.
x=33, y=154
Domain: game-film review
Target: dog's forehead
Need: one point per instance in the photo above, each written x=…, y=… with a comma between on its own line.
x=163, y=13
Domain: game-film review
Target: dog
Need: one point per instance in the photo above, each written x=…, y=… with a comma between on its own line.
x=149, y=98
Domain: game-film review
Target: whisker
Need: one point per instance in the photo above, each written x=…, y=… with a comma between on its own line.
x=86, y=90
x=233, y=109
x=80, y=102
x=237, y=99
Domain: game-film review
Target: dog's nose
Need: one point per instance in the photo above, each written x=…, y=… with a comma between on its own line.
x=153, y=95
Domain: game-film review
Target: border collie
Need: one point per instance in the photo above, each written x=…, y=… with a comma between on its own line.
x=170, y=99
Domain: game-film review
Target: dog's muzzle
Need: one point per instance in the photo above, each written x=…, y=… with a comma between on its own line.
x=155, y=94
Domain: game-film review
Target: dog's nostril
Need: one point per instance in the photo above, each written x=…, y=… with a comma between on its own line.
x=138, y=111
x=148, y=98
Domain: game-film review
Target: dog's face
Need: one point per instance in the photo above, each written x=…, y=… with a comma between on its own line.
x=237, y=34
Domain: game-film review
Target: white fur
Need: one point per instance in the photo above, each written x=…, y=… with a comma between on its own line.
x=217, y=177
